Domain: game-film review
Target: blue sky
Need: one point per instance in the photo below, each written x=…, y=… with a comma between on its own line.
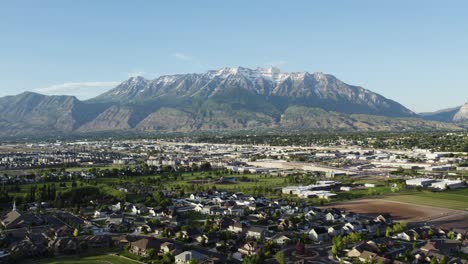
x=415, y=52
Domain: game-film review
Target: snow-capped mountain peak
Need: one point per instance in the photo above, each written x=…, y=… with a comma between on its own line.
x=271, y=81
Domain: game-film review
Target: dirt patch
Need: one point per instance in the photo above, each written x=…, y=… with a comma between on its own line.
x=399, y=211
x=457, y=222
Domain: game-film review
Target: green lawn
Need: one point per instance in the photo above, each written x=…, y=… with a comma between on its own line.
x=84, y=168
x=255, y=181
x=456, y=199
x=25, y=188
x=102, y=259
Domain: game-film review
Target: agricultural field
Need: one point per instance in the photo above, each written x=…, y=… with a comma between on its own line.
x=399, y=211
x=454, y=199
x=445, y=209
x=458, y=222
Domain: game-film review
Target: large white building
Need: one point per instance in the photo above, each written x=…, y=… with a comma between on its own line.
x=313, y=190
x=448, y=184
x=419, y=182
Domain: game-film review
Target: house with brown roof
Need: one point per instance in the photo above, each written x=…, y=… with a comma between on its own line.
x=257, y=232
x=141, y=247
x=237, y=227
x=96, y=241
x=64, y=231
x=362, y=247
x=64, y=246
x=15, y=219
x=250, y=248
x=169, y=247
x=371, y=257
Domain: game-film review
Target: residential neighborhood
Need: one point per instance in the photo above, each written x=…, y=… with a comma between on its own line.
x=157, y=201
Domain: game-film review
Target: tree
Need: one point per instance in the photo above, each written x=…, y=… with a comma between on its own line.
x=354, y=237
x=388, y=231
x=167, y=258
x=205, y=166
x=334, y=250
x=377, y=233
x=280, y=257
x=338, y=242
x=451, y=235
x=443, y=260
x=151, y=253
x=434, y=260
x=253, y=259
x=430, y=233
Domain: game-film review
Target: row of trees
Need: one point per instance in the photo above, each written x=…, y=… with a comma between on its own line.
x=341, y=242
x=44, y=193
x=396, y=228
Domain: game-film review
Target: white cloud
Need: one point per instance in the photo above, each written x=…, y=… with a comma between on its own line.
x=181, y=56
x=70, y=86
x=79, y=89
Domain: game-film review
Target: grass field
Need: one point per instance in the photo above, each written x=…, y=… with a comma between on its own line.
x=102, y=259
x=99, y=167
x=454, y=199
x=254, y=181
x=24, y=188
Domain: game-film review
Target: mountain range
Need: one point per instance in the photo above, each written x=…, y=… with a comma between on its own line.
x=455, y=114
x=225, y=99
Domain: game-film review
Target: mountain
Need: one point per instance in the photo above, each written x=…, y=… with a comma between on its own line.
x=225, y=99
x=456, y=114
x=302, y=88
x=462, y=114
x=30, y=113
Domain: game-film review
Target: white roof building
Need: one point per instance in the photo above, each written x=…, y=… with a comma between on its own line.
x=423, y=182
x=445, y=183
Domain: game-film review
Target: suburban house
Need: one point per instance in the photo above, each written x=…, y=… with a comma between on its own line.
x=357, y=250
x=257, y=232
x=168, y=247
x=192, y=255
x=141, y=247
x=209, y=238
x=250, y=248
x=281, y=239
x=403, y=236
x=237, y=227
x=318, y=234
